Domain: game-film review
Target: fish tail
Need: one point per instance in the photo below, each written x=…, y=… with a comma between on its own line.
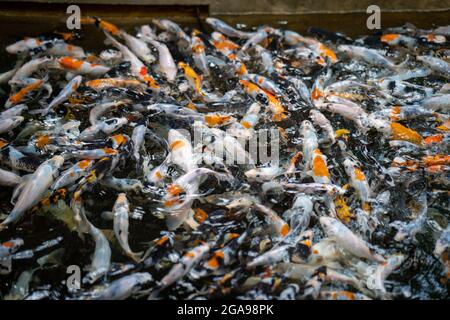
x=403, y=65
x=136, y=256
x=176, y=219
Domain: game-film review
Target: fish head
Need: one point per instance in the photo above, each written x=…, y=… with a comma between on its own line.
x=17, y=120
x=212, y=21
x=57, y=161
x=240, y=203
x=345, y=49
x=348, y=165
x=252, y=174
x=143, y=277
x=328, y=225
x=17, y=48
x=306, y=126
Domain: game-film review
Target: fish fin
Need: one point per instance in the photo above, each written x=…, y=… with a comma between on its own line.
x=176, y=218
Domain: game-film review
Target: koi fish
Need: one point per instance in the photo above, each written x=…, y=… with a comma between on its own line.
x=348, y=240
x=34, y=189
x=82, y=67
x=121, y=211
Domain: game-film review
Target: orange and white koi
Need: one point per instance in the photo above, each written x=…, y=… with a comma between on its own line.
x=432, y=37
x=275, y=106
x=72, y=174
x=194, y=80
x=138, y=69
x=9, y=247
x=318, y=90
x=181, y=152
x=400, y=132
x=23, y=93
x=186, y=263
x=157, y=174
x=264, y=83
x=224, y=46
x=94, y=154
x=104, y=83
x=400, y=113
x=226, y=144
x=183, y=192
x=25, y=45
x=226, y=255
x=82, y=67
x=244, y=128
x=60, y=48
x=102, y=24
x=395, y=39
x=293, y=163
x=319, y=167
x=251, y=118
x=358, y=180
x=199, y=55
x=277, y=226
x=218, y=120
x=293, y=38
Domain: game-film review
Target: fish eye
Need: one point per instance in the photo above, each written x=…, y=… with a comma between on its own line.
x=111, y=121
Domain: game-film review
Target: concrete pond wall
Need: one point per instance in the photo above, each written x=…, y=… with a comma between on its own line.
x=31, y=17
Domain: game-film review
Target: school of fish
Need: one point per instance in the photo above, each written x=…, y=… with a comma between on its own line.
x=105, y=196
